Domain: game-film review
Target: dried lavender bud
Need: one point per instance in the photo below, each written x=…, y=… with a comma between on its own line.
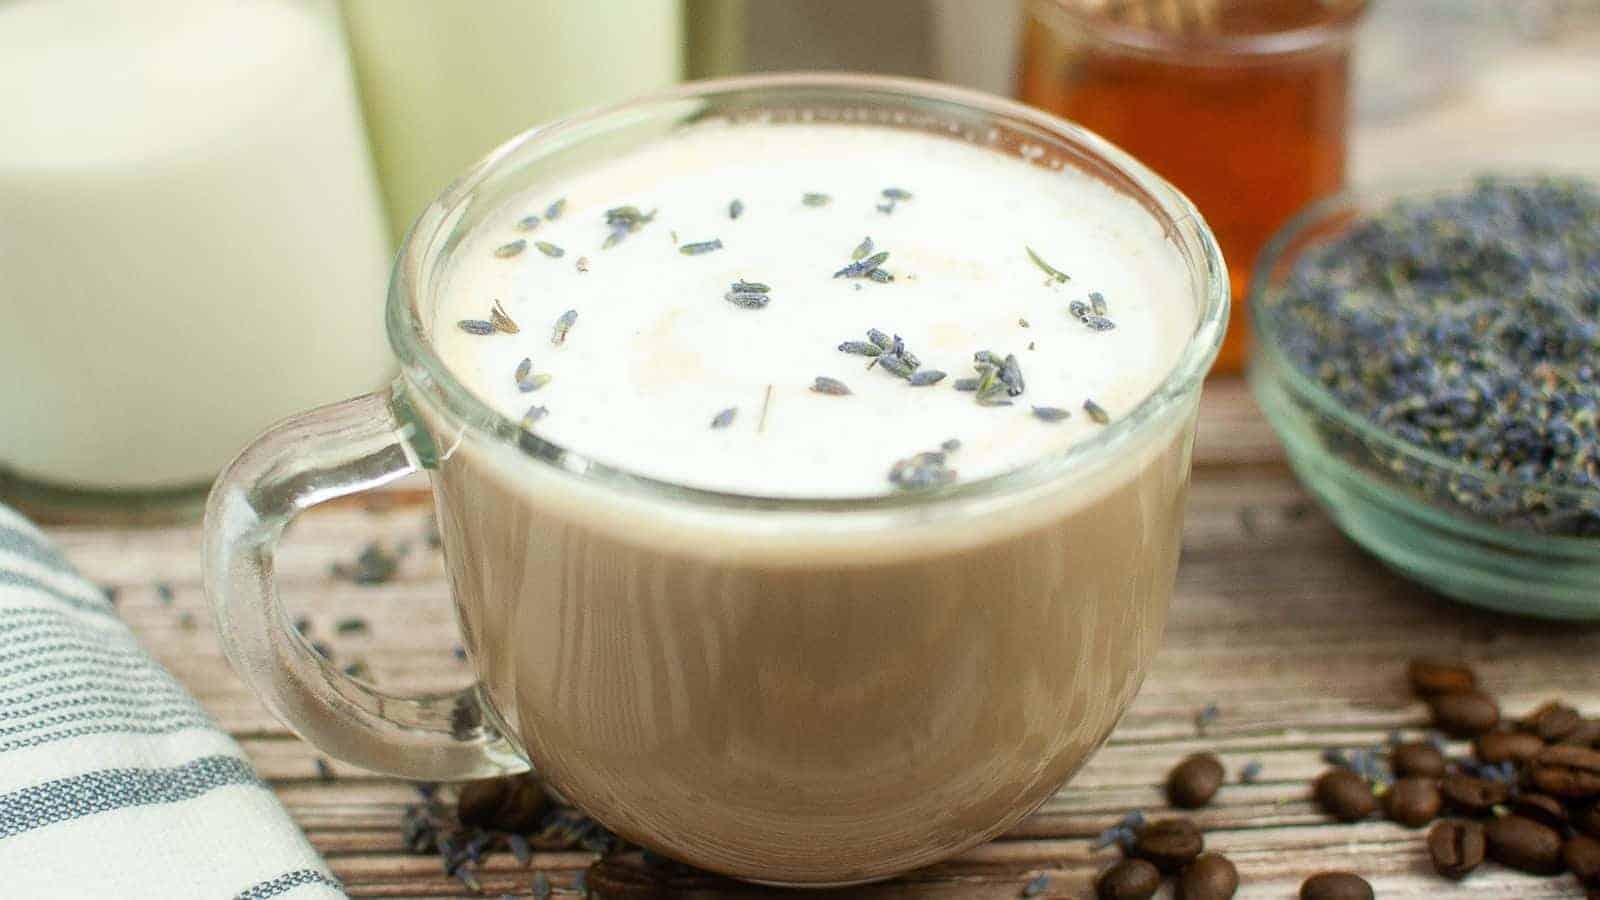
x=351, y=625
x=506, y=251
x=554, y=210
x=863, y=250
x=735, y=209
x=924, y=377
x=896, y=194
x=814, y=199
x=924, y=470
x=527, y=223
x=878, y=337
x=564, y=323
x=549, y=249
x=1011, y=375
x=861, y=348
x=702, y=247
x=725, y=418
x=1096, y=412
x=1051, y=414
x=623, y=221
x=895, y=365
x=826, y=385
x=966, y=384
x=476, y=326
x=862, y=268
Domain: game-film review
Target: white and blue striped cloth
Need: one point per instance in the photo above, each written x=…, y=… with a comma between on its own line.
x=113, y=781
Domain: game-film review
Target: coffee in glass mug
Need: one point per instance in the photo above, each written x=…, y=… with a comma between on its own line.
x=809, y=454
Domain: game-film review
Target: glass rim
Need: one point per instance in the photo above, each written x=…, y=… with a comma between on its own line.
x=421, y=366
x=1283, y=246
x=1210, y=48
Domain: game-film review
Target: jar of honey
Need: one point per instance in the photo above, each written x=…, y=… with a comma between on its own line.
x=1243, y=104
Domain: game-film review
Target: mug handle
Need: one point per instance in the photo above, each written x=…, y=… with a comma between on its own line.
x=309, y=459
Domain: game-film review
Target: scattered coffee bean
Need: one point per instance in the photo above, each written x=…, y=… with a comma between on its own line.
x=1473, y=796
x=503, y=804
x=1587, y=819
x=1344, y=795
x=1543, y=809
x=1552, y=721
x=1417, y=758
x=1567, y=771
x=1464, y=715
x=1210, y=877
x=1431, y=677
x=1498, y=746
x=1130, y=879
x=1586, y=734
x=1522, y=843
x=1414, y=801
x=1457, y=847
x=1581, y=853
x=1336, y=886
x=1193, y=782
x=1170, y=844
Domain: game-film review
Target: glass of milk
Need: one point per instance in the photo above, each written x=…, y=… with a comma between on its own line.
x=191, y=240
x=809, y=454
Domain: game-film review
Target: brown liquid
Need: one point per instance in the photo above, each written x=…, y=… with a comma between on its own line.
x=1250, y=139
x=823, y=700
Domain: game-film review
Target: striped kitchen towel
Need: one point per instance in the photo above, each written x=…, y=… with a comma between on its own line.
x=113, y=781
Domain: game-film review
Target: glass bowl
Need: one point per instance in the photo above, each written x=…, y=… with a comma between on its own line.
x=1486, y=538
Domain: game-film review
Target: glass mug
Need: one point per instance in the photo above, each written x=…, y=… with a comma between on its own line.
x=784, y=690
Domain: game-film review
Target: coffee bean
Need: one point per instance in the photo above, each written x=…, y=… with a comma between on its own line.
x=1414, y=801
x=1431, y=677
x=514, y=803
x=1586, y=734
x=1465, y=715
x=1543, y=809
x=1581, y=853
x=1417, y=758
x=1170, y=844
x=1193, y=782
x=1210, y=877
x=1587, y=819
x=1344, y=795
x=1473, y=796
x=1457, y=847
x=1552, y=721
x=1524, y=844
x=1498, y=746
x=1335, y=886
x=1567, y=771
x=1130, y=879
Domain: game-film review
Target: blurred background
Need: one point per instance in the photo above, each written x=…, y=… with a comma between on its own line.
x=239, y=173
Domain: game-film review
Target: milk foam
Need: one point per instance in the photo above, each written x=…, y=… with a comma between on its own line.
x=656, y=351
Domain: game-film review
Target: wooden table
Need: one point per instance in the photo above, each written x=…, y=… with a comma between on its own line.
x=1297, y=636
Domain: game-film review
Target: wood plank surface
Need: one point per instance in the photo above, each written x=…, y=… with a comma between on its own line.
x=1297, y=636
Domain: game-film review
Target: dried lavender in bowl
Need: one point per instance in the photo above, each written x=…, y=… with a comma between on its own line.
x=1466, y=324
